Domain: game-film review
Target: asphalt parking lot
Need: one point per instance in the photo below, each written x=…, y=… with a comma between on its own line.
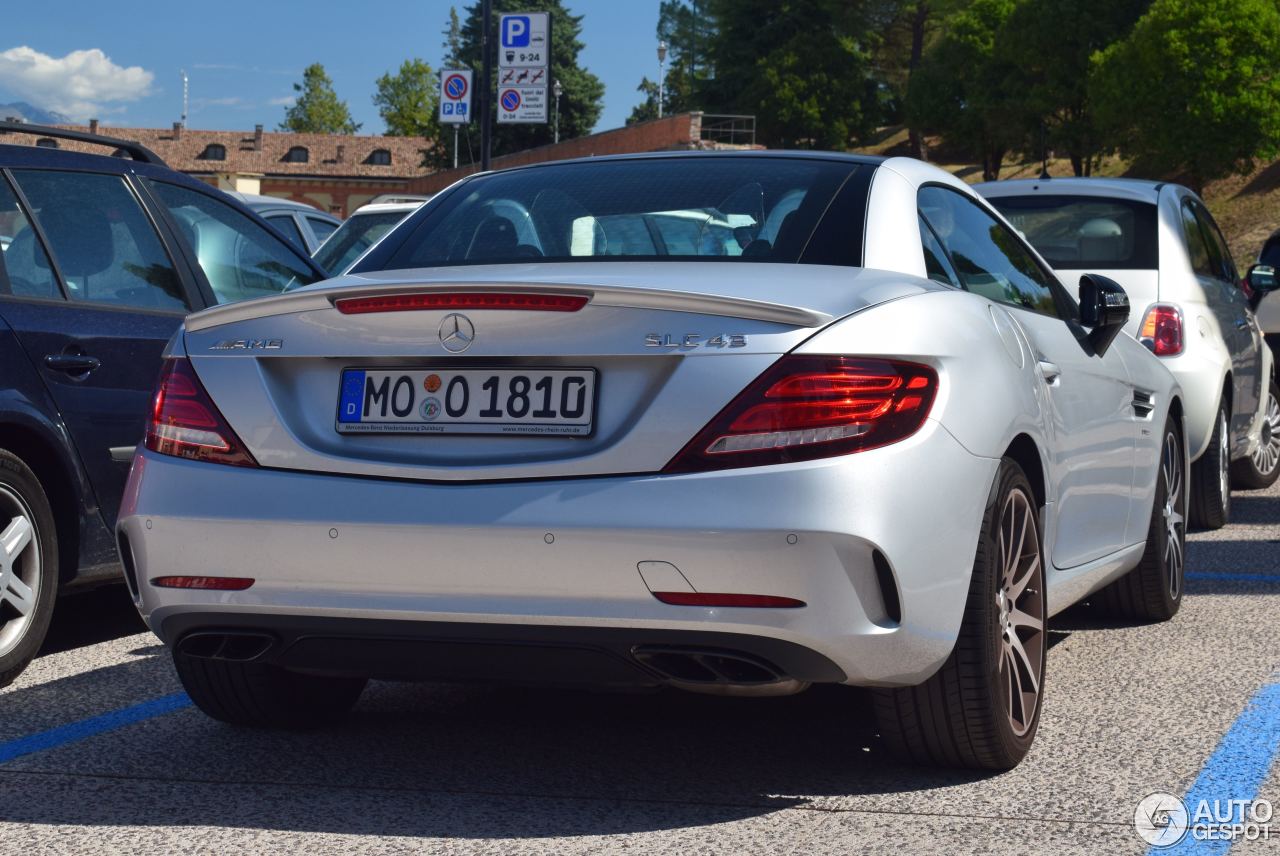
x=100, y=751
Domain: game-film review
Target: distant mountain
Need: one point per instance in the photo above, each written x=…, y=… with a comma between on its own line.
x=33, y=114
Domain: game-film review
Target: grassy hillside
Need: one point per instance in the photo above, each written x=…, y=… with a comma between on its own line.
x=1247, y=208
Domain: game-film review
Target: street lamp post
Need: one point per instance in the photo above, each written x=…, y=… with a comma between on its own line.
x=662, y=72
x=557, y=89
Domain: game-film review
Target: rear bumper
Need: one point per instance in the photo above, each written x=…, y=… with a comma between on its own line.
x=439, y=563
x=509, y=653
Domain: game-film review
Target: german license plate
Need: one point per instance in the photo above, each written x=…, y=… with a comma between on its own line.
x=442, y=400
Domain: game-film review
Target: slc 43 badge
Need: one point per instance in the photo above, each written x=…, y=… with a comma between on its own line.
x=695, y=340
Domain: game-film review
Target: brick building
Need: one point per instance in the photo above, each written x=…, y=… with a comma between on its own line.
x=334, y=172
x=679, y=132
x=339, y=173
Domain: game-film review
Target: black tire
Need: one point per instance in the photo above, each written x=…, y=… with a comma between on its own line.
x=22, y=631
x=1153, y=590
x=964, y=716
x=259, y=694
x=1261, y=469
x=1210, y=477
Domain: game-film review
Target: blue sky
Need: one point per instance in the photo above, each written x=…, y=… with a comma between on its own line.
x=121, y=62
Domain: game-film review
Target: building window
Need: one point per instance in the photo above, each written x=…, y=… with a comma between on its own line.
x=379, y=157
x=47, y=143
x=213, y=151
x=297, y=154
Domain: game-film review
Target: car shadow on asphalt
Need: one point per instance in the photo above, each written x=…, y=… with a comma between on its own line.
x=542, y=762
x=421, y=758
x=90, y=617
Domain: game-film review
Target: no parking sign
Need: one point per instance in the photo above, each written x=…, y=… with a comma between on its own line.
x=455, y=95
x=522, y=104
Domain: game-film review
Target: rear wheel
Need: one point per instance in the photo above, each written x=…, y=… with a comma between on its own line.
x=1153, y=590
x=1261, y=469
x=1210, y=485
x=982, y=708
x=28, y=566
x=258, y=694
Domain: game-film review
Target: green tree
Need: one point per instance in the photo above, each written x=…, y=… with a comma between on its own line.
x=969, y=91
x=908, y=28
x=1051, y=43
x=803, y=69
x=583, y=93
x=316, y=109
x=409, y=100
x=648, y=108
x=1194, y=88
x=453, y=45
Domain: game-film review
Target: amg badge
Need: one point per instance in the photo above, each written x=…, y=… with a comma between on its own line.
x=248, y=345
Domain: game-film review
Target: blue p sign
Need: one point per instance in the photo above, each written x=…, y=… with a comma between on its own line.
x=515, y=31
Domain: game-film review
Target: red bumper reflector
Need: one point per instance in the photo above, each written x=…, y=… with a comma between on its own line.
x=698, y=598
x=461, y=300
x=211, y=583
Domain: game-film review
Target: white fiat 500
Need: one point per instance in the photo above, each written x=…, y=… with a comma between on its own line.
x=733, y=423
x=1160, y=243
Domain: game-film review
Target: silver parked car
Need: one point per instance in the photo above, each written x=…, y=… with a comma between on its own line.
x=306, y=226
x=364, y=228
x=1160, y=243
x=850, y=429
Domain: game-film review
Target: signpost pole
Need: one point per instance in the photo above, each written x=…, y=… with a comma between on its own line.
x=486, y=102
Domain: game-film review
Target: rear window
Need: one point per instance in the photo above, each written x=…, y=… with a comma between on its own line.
x=679, y=209
x=353, y=237
x=1085, y=232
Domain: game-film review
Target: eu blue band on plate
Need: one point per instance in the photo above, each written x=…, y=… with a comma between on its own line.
x=352, y=395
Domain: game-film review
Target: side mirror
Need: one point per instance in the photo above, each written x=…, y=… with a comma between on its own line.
x=1262, y=279
x=1104, y=307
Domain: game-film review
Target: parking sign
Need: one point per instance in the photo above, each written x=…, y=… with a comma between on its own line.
x=524, y=40
x=455, y=95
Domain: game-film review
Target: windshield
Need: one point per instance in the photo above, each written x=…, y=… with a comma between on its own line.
x=353, y=237
x=1085, y=232
x=719, y=209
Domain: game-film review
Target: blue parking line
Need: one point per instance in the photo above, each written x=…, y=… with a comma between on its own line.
x=63, y=734
x=1234, y=578
x=1237, y=768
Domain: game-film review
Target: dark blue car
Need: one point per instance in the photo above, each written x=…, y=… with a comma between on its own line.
x=101, y=256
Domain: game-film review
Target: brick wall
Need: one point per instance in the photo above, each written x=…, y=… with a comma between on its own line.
x=681, y=131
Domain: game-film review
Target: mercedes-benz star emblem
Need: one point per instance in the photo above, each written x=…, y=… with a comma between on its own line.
x=457, y=333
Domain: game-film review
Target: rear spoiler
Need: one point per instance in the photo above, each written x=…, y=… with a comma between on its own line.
x=310, y=300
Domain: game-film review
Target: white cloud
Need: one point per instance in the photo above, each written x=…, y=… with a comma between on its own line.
x=81, y=84
x=283, y=101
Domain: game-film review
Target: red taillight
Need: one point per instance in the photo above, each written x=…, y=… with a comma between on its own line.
x=755, y=601
x=814, y=407
x=1162, y=331
x=461, y=300
x=209, y=583
x=186, y=424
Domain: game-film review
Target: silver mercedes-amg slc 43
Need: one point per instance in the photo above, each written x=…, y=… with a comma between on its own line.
x=734, y=423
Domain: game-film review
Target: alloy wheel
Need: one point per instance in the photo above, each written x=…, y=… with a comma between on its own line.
x=1267, y=456
x=1174, y=513
x=20, y=569
x=1020, y=608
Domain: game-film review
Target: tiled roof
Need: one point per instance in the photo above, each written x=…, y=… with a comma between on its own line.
x=330, y=155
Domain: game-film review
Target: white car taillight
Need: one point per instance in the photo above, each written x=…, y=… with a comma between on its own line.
x=814, y=407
